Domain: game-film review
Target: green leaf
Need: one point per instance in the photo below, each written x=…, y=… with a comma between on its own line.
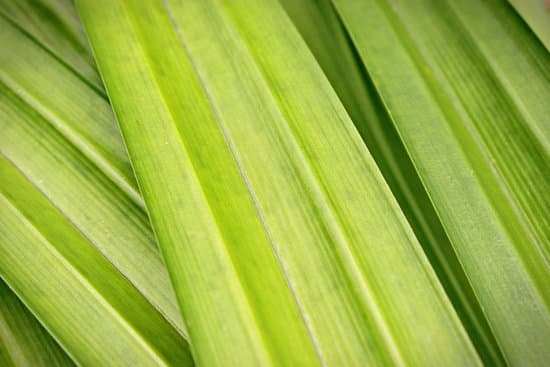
x=325, y=35
x=23, y=341
x=79, y=161
x=55, y=25
x=62, y=150
x=467, y=85
x=536, y=14
x=69, y=285
x=274, y=220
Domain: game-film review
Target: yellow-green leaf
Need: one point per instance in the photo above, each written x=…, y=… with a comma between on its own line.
x=274, y=220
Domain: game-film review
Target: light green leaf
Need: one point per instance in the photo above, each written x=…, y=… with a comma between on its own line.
x=93, y=311
x=55, y=25
x=65, y=144
x=536, y=14
x=78, y=161
x=23, y=341
x=325, y=35
x=467, y=85
x=274, y=220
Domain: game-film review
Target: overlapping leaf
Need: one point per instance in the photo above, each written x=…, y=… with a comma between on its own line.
x=466, y=85
x=537, y=14
x=325, y=35
x=274, y=221
x=284, y=244
x=72, y=216
x=23, y=341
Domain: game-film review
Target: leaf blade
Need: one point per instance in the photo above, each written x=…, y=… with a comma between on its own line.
x=66, y=282
x=156, y=163
x=23, y=341
x=472, y=201
x=79, y=168
x=326, y=36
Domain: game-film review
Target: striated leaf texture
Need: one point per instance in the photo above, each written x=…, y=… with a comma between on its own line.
x=23, y=341
x=275, y=223
x=322, y=29
x=62, y=152
x=466, y=86
x=536, y=14
x=55, y=25
x=95, y=313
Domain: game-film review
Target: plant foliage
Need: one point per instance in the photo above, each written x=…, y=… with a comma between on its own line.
x=340, y=183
